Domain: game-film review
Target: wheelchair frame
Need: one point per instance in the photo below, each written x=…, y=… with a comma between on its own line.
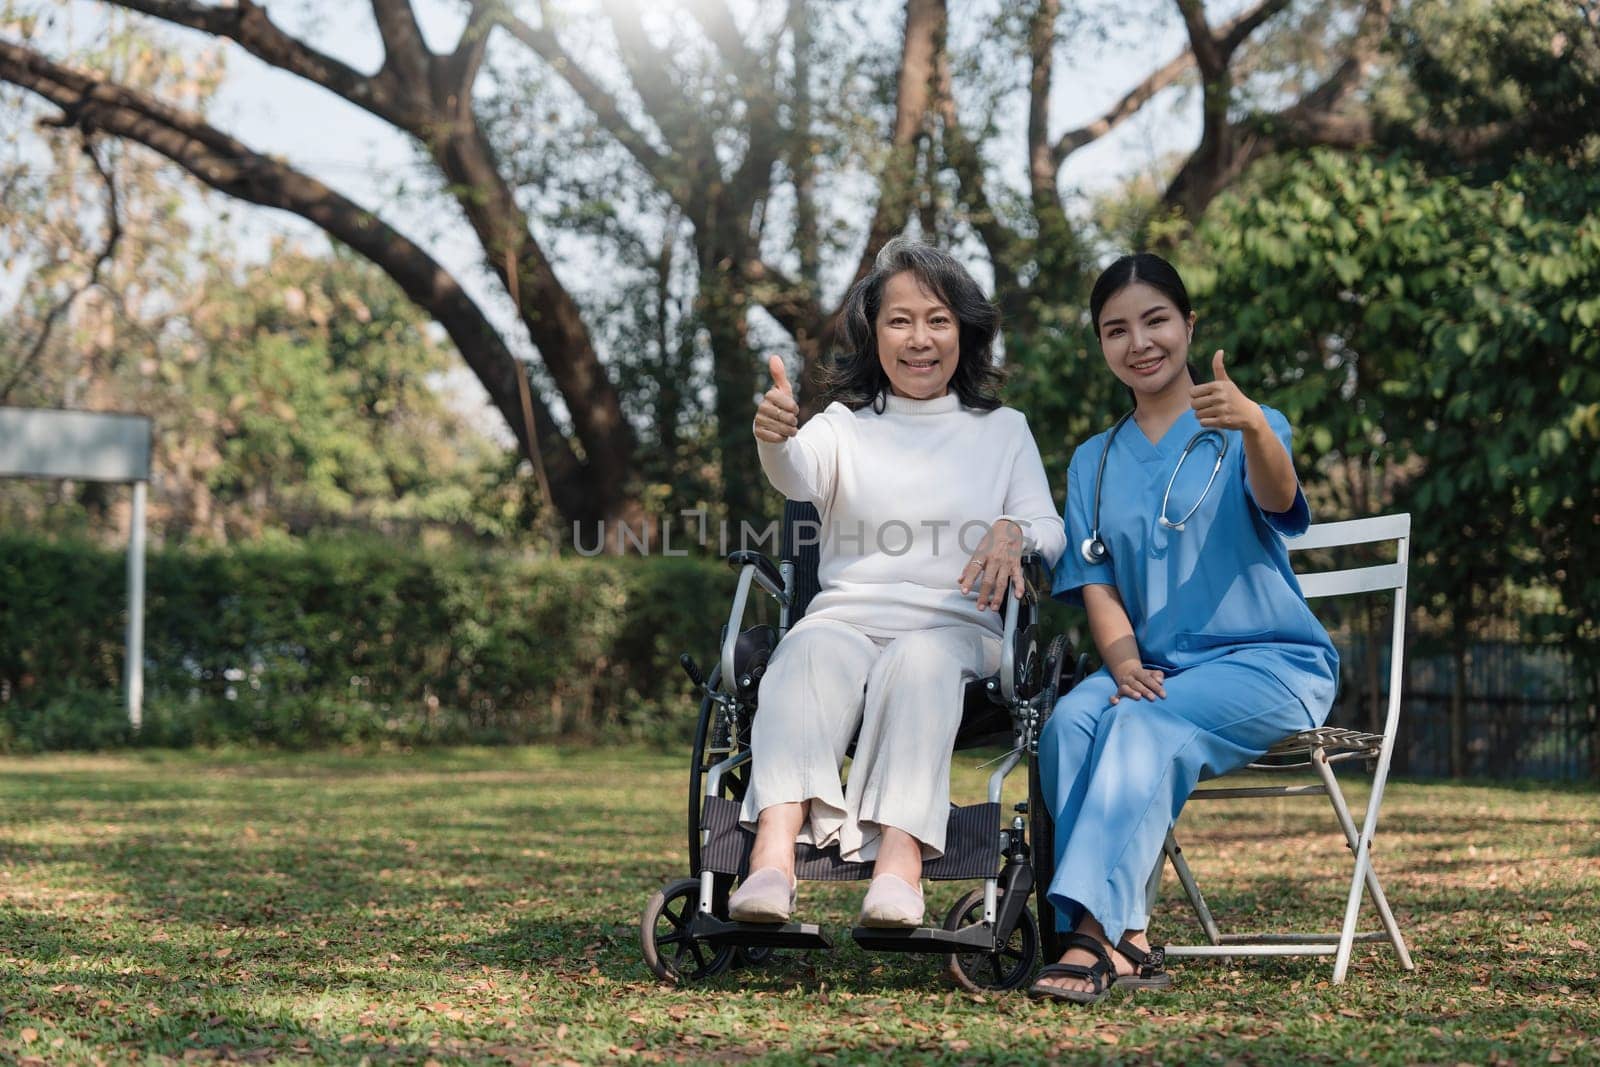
x=971, y=938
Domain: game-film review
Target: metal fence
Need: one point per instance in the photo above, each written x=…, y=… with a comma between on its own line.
x=1525, y=715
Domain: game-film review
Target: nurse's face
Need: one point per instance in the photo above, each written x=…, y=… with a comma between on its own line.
x=919, y=339
x=1146, y=340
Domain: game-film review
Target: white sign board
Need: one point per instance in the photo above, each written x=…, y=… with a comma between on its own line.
x=42, y=443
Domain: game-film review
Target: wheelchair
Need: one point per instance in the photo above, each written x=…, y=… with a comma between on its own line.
x=991, y=937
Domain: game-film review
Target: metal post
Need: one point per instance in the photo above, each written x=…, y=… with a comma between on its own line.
x=134, y=665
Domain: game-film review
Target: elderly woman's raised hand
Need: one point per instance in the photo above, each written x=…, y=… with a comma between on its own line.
x=777, y=416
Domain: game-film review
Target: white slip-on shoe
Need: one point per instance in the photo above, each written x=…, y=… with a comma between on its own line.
x=891, y=901
x=767, y=896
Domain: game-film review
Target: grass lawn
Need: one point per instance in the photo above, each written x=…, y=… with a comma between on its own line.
x=483, y=905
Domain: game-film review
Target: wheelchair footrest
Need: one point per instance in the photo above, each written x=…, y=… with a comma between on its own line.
x=976, y=938
x=719, y=932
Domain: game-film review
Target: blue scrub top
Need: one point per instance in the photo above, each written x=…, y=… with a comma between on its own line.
x=1220, y=587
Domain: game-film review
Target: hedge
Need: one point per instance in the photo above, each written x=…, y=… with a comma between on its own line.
x=316, y=643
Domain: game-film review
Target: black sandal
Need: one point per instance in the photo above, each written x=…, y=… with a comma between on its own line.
x=1149, y=968
x=1100, y=974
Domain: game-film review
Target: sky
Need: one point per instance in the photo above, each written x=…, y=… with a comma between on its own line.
x=366, y=160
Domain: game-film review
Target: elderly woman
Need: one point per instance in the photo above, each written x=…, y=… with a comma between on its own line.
x=929, y=493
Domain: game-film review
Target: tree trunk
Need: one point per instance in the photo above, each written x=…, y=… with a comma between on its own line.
x=721, y=307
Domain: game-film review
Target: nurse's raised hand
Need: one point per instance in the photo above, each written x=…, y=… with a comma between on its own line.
x=1138, y=682
x=1219, y=404
x=777, y=416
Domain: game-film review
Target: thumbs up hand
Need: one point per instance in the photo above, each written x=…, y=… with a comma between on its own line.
x=778, y=415
x=1219, y=405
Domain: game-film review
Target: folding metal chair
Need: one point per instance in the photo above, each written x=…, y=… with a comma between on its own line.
x=1319, y=749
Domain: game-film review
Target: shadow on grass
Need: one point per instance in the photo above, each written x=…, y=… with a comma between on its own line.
x=162, y=1008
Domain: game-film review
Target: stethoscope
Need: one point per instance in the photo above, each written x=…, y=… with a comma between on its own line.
x=1094, y=548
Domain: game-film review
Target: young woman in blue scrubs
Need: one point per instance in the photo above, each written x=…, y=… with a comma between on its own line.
x=1175, y=522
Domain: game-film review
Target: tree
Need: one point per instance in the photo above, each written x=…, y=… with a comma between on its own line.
x=721, y=118
x=1434, y=341
x=284, y=393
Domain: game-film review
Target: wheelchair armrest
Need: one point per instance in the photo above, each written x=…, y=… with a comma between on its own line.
x=765, y=568
x=752, y=567
x=1035, y=575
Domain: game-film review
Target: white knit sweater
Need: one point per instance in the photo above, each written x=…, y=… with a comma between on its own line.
x=905, y=496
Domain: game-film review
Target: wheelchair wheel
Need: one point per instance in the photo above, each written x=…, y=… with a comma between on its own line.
x=1041, y=828
x=1008, y=967
x=1042, y=839
x=669, y=951
x=709, y=739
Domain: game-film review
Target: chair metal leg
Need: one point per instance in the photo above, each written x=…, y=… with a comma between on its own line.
x=1361, y=848
x=1152, y=887
x=1191, y=888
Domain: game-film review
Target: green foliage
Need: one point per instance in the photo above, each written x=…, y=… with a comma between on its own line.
x=1517, y=74
x=1440, y=332
x=320, y=381
x=349, y=641
x=1058, y=377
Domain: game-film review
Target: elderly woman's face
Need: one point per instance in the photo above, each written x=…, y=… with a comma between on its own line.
x=919, y=339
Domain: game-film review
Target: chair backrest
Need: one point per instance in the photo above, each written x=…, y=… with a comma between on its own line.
x=800, y=545
x=1372, y=578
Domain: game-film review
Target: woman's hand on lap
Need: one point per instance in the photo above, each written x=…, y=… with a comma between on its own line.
x=1138, y=682
x=996, y=565
x=778, y=415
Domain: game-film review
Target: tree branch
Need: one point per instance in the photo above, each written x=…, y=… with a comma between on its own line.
x=1044, y=163
x=1376, y=17
x=1231, y=35
x=404, y=51
x=897, y=181
x=460, y=69
x=248, y=25
x=1123, y=109
x=716, y=22
x=1203, y=44
x=113, y=235
x=1235, y=32
x=1227, y=148
x=543, y=42
x=789, y=301
x=802, y=163
x=230, y=167
x=673, y=113
x=967, y=163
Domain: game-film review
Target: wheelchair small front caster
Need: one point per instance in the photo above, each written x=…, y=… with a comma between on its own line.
x=1009, y=966
x=753, y=955
x=669, y=949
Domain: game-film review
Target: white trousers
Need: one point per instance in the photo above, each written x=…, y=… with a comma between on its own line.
x=825, y=679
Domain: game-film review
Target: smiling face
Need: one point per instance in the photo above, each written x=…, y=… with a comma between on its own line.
x=1146, y=340
x=919, y=339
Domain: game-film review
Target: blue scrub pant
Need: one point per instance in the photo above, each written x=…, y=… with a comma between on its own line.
x=1117, y=775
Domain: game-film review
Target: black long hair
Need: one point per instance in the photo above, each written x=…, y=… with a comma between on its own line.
x=1144, y=267
x=1152, y=270
x=853, y=375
